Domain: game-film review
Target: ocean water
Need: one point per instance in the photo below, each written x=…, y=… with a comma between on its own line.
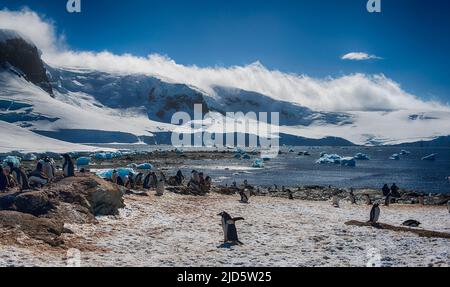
x=289, y=169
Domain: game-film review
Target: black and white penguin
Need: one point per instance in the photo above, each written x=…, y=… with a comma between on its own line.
x=3, y=180
x=229, y=228
x=117, y=179
x=368, y=200
x=19, y=176
x=161, y=185
x=245, y=196
x=335, y=201
x=68, y=166
x=352, y=196
x=411, y=223
x=375, y=213
x=387, y=200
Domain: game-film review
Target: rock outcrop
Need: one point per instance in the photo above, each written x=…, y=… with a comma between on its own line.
x=35, y=203
x=24, y=57
x=42, y=214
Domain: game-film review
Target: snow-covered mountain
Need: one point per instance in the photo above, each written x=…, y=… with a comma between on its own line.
x=85, y=106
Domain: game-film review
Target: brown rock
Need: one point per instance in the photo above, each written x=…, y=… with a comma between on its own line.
x=35, y=203
x=46, y=230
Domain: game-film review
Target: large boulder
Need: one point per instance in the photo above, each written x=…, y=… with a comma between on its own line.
x=35, y=203
x=88, y=190
x=7, y=201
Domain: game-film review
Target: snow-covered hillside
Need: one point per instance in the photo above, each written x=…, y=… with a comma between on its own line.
x=86, y=106
x=14, y=138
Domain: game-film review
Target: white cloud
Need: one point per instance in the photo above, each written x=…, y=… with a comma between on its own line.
x=355, y=92
x=359, y=56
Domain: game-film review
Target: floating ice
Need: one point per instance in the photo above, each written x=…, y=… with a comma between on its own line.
x=29, y=157
x=107, y=173
x=83, y=161
x=107, y=155
x=12, y=159
x=329, y=158
x=258, y=163
x=337, y=159
x=245, y=156
x=145, y=166
x=430, y=157
x=404, y=152
x=362, y=156
x=395, y=156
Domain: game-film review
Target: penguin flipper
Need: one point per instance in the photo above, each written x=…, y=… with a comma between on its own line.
x=238, y=218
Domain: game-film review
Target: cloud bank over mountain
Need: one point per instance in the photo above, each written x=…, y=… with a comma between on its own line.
x=353, y=92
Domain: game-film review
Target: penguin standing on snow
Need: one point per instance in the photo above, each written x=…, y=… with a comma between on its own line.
x=68, y=166
x=335, y=201
x=229, y=228
x=375, y=213
x=245, y=195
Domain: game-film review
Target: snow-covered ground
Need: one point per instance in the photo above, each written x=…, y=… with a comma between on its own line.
x=184, y=231
x=14, y=138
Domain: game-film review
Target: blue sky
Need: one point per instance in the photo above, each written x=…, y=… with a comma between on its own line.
x=304, y=37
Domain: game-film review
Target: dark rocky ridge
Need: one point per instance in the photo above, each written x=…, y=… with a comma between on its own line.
x=26, y=57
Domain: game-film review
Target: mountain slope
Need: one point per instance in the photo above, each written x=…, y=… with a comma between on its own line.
x=84, y=106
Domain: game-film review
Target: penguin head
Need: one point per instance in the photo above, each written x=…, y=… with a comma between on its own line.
x=376, y=205
x=224, y=215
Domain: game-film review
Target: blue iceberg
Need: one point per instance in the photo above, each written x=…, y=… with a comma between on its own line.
x=258, y=163
x=329, y=158
x=83, y=161
x=362, y=156
x=12, y=159
x=107, y=173
x=145, y=166
x=395, y=156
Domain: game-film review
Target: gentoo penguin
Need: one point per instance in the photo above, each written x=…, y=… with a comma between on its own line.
x=229, y=228
x=288, y=191
x=117, y=179
x=4, y=183
x=335, y=201
x=245, y=196
x=19, y=176
x=352, y=196
x=375, y=213
x=387, y=201
x=68, y=166
x=368, y=200
x=160, y=187
x=49, y=168
x=411, y=223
